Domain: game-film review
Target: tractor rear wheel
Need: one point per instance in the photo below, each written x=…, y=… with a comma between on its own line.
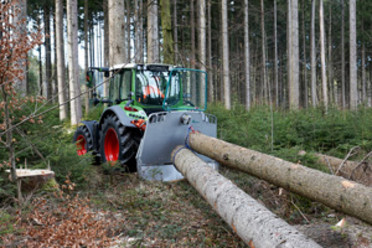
x=83, y=140
x=117, y=143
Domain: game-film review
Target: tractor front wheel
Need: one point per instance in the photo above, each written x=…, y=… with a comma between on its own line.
x=116, y=143
x=83, y=140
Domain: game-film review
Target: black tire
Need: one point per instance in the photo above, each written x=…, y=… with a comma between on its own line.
x=83, y=140
x=118, y=143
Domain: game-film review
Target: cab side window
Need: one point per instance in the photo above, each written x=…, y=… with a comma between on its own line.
x=126, y=82
x=114, y=87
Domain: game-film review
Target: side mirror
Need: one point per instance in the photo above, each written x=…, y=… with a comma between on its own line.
x=89, y=78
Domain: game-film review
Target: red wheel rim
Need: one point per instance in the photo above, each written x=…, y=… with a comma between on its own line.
x=111, y=145
x=81, y=145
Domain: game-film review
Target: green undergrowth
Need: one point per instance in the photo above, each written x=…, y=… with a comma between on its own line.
x=46, y=141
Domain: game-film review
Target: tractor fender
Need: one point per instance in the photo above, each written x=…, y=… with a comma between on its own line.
x=120, y=113
x=93, y=131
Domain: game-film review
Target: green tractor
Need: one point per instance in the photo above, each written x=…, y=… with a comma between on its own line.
x=151, y=108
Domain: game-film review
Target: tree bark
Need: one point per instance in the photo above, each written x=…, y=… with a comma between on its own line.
x=166, y=25
x=138, y=32
x=48, y=54
x=211, y=87
x=353, y=56
x=276, y=60
x=106, y=43
x=293, y=55
x=336, y=192
x=313, y=55
x=247, y=57
x=363, y=66
x=304, y=64
x=202, y=45
x=61, y=78
x=330, y=60
x=322, y=56
x=86, y=51
x=20, y=21
x=192, y=24
x=225, y=56
x=255, y=224
x=73, y=61
x=127, y=6
x=116, y=32
x=264, y=80
x=175, y=32
x=343, y=92
x=153, y=55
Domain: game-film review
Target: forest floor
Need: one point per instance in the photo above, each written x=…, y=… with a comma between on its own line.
x=122, y=210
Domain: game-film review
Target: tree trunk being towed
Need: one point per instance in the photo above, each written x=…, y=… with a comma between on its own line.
x=254, y=224
x=335, y=192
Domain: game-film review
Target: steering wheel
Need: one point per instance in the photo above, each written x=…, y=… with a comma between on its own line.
x=189, y=103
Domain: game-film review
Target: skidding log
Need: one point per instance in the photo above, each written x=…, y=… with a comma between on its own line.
x=333, y=191
x=350, y=169
x=255, y=225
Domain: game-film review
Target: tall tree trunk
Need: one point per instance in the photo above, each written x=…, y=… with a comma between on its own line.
x=330, y=61
x=202, y=34
x=175, y=32
x=9, y=143
x=276, y=60
x=166, y=25
x=20, y=21
x=127, y=6
x=48, y=54
x=246, y=57
x=142, y=34
x=211, y=87
x=322, y=56
x=106, y=43
x=353, y=56
x=343, y=92
x=54, y=74
x=313, y=55
x=73, y=61
x=304, y=67
x=363, y=67
x=293, y=55
x=202, y=45
x=225, y=56
x=152, y=32
x=116, y=32
x=263, y=54
x=86, y=51
x=61, y=80
x=192, y=24
x=137, y=32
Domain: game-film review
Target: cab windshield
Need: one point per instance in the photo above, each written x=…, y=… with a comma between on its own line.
x=151, y=87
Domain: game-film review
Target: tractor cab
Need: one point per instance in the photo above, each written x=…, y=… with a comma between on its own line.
x=150, y=88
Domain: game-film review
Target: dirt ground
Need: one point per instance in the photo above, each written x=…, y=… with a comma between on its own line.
x=131, y=212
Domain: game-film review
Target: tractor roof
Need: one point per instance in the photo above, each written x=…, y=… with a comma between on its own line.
x=135, y=65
